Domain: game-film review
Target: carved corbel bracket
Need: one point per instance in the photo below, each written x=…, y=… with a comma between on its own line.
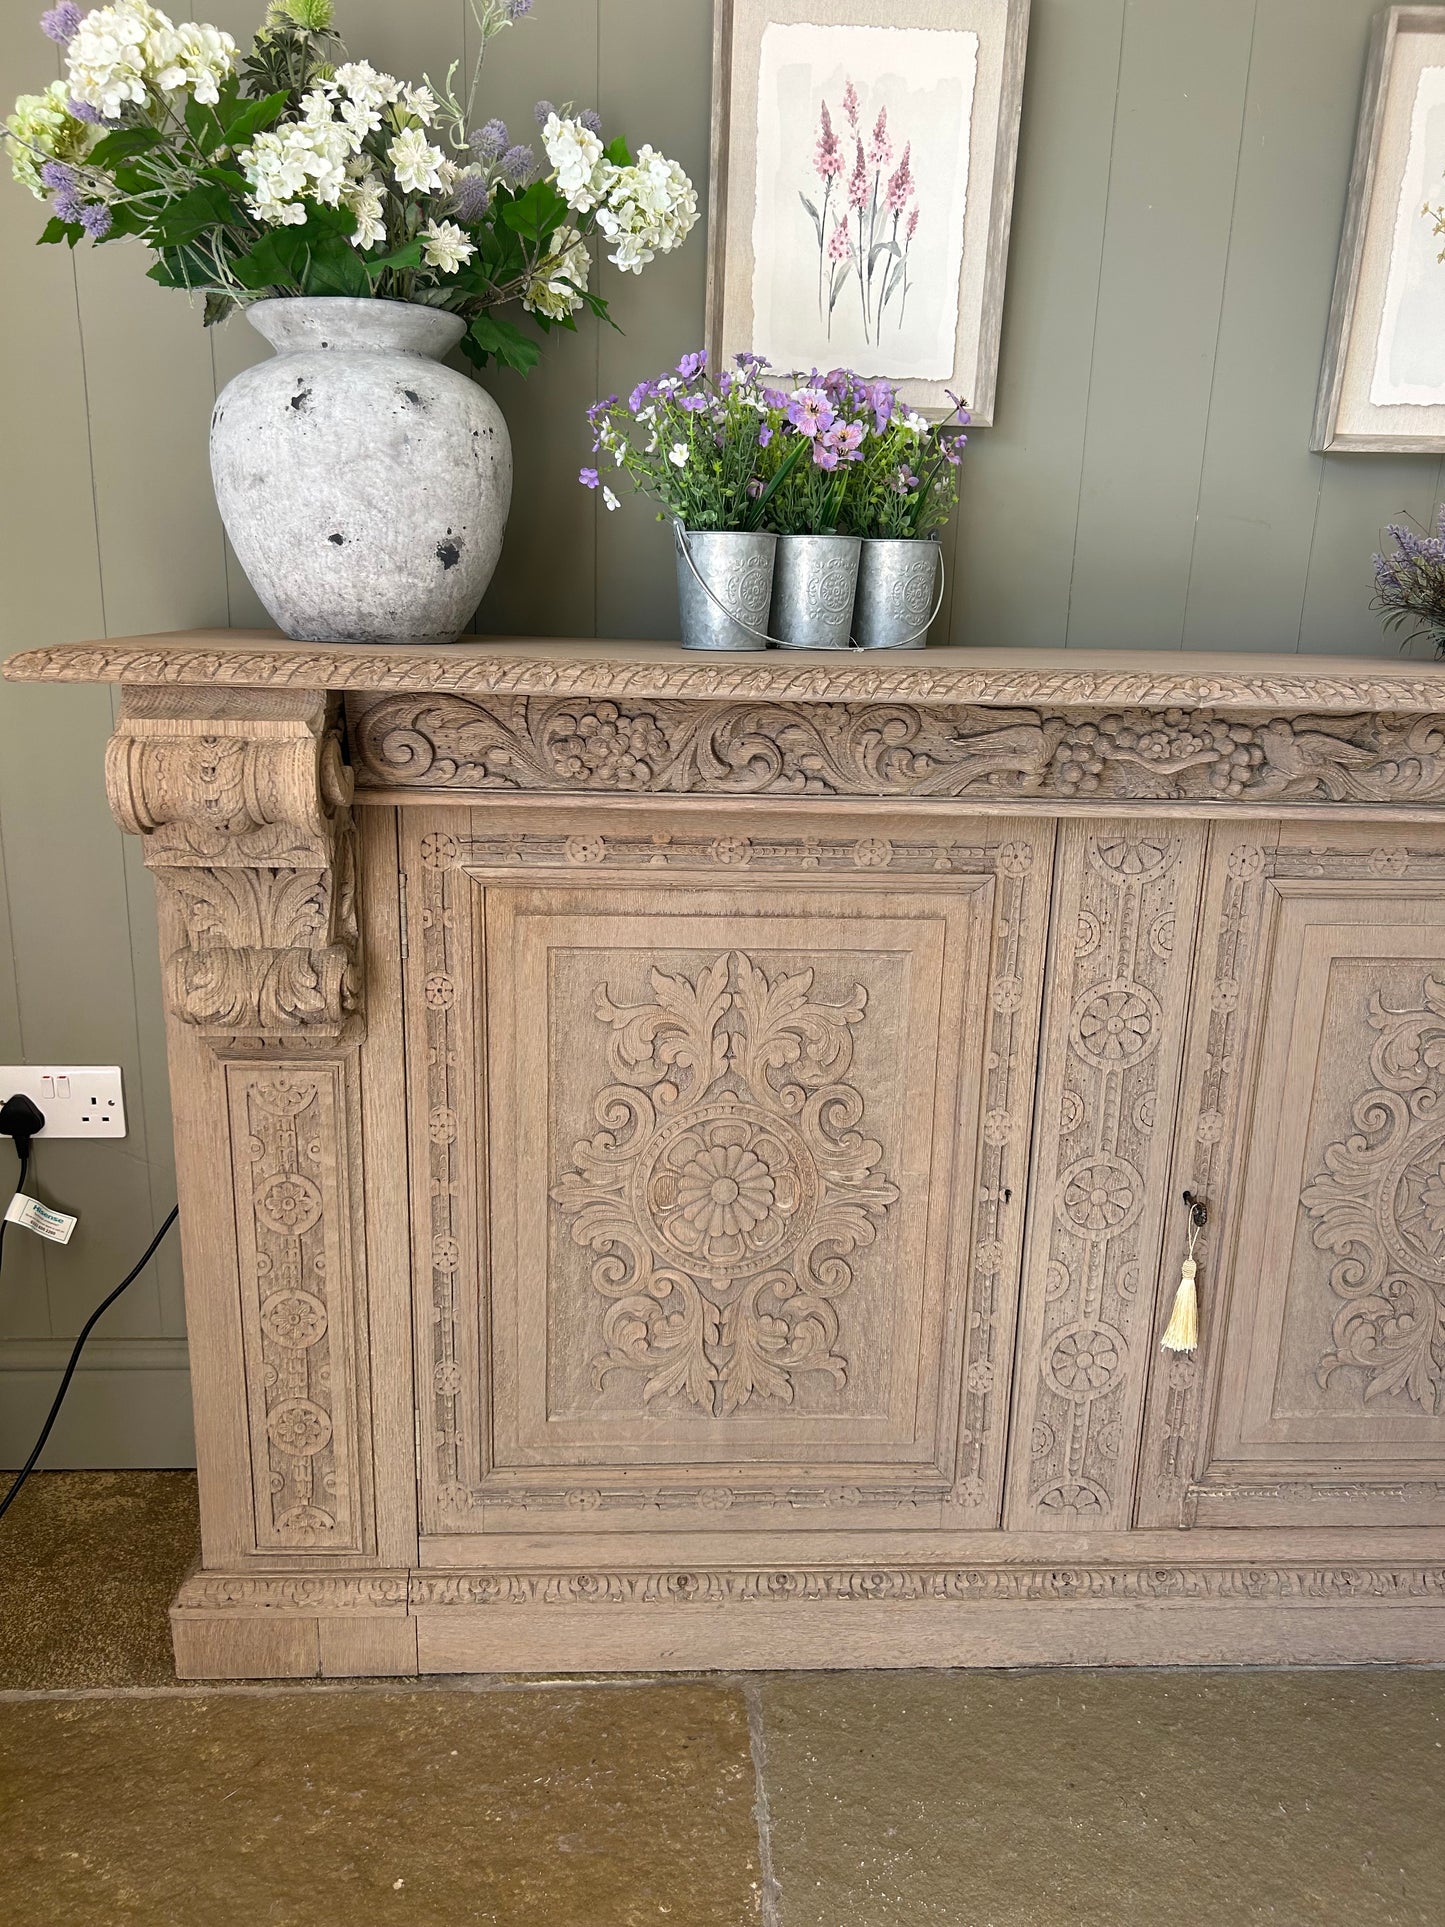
x=242, y=801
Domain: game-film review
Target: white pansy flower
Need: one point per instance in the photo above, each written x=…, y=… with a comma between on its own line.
x=555, y=286
x=45, y=130
x=415, y=162
x=576, y=154
x=610, y=499
x=677, y=454
x=106, y=58
x=444, y=245
x=650, y=209
x=365, y=198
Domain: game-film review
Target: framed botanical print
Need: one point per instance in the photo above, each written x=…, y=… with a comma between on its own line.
x=1382, y=386
x=862, y=182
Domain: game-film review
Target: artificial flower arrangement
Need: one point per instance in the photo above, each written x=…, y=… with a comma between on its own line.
x=292, y=170
x=1410, y=581
x=841, y=482
x=834, y=454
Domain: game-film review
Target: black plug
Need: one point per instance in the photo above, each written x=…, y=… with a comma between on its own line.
x=21, y=1119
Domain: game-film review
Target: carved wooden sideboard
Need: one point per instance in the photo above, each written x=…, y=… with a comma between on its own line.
x=681, y=1157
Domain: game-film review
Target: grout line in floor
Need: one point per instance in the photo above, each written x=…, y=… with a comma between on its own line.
x=772, y=1895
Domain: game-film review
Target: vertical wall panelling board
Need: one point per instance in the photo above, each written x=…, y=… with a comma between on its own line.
x=1171, y=191
x=546, y=582
x=660, y=311
x=1021, y=477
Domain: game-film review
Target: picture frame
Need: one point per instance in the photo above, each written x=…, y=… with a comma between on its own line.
x=921, y=304
x=1382, y=380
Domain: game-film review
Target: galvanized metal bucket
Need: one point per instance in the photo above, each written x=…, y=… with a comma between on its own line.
x=724, y=587
x=813, y=587
x=900, y=591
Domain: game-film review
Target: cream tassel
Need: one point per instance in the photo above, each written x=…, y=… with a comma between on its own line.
x=1182, y=1332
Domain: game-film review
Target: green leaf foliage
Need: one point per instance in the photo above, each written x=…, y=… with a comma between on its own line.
x=489, y=339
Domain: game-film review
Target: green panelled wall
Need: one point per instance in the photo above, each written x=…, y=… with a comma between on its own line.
x=1181, y=183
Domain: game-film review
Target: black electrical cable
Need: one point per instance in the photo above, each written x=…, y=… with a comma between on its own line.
x=20, y=1186
x=85, y=1331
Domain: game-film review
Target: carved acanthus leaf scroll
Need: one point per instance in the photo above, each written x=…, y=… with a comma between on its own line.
x=1379, y=1205
x=728, y=1185
x=541, y=744
x=242, y=802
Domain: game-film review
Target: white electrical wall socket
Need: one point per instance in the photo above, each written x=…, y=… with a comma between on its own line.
x=79, y=1100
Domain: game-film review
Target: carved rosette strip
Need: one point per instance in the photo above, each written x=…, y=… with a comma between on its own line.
x=242, y=801
x=1114, y=1028
x=291, y=1170
x=609, y=745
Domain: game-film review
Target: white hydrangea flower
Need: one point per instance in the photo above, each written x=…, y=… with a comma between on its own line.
x=365, y=198
x=365, y=87
x=106, y=58
x=555, y=286
x=415, y=162
x=444, y=245
x=575, y=152
x=650, y=209
x=45, y=130
x=307, y=157
x=191, y=58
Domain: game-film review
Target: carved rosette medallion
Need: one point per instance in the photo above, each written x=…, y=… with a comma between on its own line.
x=728, y=1185
x=1379, y=1206
x=288, y=1132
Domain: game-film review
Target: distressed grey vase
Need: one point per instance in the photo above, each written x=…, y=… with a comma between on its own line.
x=364, y=486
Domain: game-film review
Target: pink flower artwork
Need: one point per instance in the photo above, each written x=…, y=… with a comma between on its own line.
x=866, y=233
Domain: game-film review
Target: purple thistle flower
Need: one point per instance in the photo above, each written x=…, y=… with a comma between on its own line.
x=472, y=198
x=543, y=112
x=56, y=176
x=60, y=23
x=589, y=478
x=691, y=366
x=82, y=110
x=518, y=9
x=490, y=141
x=591, y=120
x=67, y=205
x=95, y=219
x=517, y=164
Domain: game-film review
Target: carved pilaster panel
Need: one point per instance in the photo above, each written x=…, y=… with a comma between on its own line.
x=242, y=802
x=1125, y=903
x=298, y=1215
x=611, y=744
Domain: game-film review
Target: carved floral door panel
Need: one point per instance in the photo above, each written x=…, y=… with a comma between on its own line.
x=725, y=1147
x=1328, y=1401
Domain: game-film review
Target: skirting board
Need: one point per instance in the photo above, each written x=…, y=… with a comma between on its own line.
x=120, y=1410
x=399, y=1624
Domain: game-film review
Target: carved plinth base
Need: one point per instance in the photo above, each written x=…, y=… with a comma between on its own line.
x=816, y=1615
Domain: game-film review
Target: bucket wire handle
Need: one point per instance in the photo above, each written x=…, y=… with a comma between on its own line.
x=684, y=549
x=908, y=641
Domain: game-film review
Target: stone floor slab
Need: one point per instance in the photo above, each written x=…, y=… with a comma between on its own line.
x=601, y=1807
x=1308, y=1799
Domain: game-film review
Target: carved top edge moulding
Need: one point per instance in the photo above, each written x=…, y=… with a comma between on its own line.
x=1060, y=679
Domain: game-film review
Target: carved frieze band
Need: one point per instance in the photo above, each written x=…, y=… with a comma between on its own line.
x=243, y=808
x=664, y=745
x=1381, y=1583
x=295, y=1205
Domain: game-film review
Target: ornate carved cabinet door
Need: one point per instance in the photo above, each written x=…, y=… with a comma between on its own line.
x=720, y=1143
x=1319, y=1393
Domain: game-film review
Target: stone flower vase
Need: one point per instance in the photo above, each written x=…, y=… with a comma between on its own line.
x=364, y=487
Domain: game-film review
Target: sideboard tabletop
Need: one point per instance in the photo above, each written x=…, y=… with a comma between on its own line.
x=527, y=666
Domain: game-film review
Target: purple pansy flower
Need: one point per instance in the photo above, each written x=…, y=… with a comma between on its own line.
x=810, y=411
x=691, y=366
x=589, y=478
